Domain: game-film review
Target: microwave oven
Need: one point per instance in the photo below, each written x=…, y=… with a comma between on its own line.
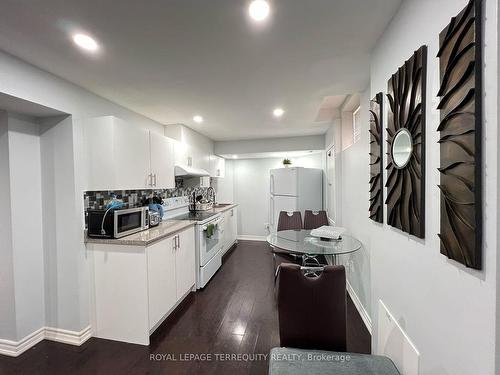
x=117, y=223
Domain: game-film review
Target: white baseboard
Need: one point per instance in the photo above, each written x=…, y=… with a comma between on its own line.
x=16, y=348
x=359, y=306
x=68, y=337
x=245, y=237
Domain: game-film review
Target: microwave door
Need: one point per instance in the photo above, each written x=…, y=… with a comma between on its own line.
x=127, y=222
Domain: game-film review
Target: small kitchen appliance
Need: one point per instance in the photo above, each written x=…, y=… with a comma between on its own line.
x=117, y=223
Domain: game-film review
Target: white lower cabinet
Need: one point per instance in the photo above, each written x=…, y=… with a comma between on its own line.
x=136, y=287
x=162, y=290
x=185, y=259
x=230, y=229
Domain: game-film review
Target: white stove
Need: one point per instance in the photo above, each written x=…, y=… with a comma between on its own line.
x=208, y=248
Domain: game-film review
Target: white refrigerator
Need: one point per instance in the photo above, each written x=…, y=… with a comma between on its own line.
x=294, y=189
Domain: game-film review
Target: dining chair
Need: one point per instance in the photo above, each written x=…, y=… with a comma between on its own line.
x=286, y=221
x=312, y=309
x=315, y=219
x=289, y=220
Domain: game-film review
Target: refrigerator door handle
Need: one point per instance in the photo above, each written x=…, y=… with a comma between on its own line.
x=271, y=184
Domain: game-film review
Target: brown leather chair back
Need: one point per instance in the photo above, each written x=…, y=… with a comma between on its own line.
x=316, y=219
x=289, y=222
x=312, y=310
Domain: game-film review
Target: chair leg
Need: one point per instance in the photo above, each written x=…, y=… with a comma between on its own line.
x=276, y=273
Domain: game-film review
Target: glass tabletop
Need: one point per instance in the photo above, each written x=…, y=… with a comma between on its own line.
x=300, y=241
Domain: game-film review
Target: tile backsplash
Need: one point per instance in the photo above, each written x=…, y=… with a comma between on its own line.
x=135, y=198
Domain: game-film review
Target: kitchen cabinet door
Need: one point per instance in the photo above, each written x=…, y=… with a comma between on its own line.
x=181, y=153
x=162, y=161
x=131, y=157
x=162, y=293
x=232, y=226
x=217, y=166
x=185, y=264
x=98, y=136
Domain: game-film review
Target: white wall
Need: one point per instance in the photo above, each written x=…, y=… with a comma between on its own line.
x=252, y=146
x=354, y=162
x=448, y=311
x=251, y=190
x=26, y=218
x=7, y=299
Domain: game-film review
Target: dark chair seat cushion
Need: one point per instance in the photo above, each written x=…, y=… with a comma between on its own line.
x=288, y=361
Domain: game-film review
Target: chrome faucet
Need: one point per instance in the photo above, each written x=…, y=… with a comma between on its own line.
x=211, y=195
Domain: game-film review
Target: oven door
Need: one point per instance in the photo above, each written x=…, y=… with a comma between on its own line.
x=210, y=246
x=130, y=221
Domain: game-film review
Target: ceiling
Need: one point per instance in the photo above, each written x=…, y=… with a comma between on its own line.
x=170, y=60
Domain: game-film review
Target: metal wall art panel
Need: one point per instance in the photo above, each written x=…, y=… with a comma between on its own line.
x=376, y=171
x=406, y=139
x=460, y=137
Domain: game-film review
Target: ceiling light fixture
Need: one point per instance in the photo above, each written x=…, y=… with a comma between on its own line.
x=198, y=119
x=85, y=42
x=259, y=10
x=235, y=156
x=278, y=112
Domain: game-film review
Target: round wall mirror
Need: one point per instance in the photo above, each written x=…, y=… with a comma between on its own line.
x=402, y=147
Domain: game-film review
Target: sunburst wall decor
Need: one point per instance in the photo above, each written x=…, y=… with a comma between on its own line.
x=376, y=176
x=460, y=137
x=406, y=139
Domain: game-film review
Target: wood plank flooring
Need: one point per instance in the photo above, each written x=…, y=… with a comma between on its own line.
x=235, y=314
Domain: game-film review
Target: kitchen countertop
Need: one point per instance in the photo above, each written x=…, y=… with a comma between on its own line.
x=223, y=208
x=147, y=237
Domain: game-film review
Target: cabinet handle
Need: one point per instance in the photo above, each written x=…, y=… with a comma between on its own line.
x=155, y=179
x=178, y=242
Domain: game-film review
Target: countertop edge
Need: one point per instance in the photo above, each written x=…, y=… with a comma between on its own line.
x=225, y=208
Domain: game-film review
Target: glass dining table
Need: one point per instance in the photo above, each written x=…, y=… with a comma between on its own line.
x=300, y=242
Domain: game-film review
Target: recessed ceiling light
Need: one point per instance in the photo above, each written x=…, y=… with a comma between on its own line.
x=85, y=42
x=198, y=119
x=278, y=112
x=235, y=156
x=259, y=10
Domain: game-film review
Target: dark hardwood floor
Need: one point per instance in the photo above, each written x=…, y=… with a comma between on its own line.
x=235, y=314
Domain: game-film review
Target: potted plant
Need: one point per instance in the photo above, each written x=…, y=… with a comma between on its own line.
x=287, y=162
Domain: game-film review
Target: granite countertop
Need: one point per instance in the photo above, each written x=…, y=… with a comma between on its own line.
x=147, y=237
x=223, y=208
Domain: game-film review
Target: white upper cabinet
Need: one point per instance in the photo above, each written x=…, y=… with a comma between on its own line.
x=99, y=135
x=162, y=161
x=181, y=153
x=117, y=154
x=121, y=156
x=131, y=157
x=217, y=166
